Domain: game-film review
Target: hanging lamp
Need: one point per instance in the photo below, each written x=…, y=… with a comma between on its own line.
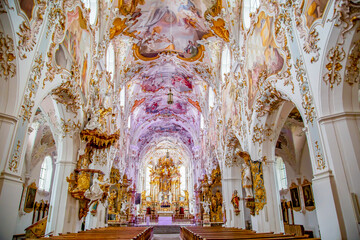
x=170, y=97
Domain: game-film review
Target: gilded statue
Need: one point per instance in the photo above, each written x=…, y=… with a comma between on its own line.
x=111, y=201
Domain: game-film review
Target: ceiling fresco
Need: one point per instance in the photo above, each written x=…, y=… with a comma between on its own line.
x=167, y=55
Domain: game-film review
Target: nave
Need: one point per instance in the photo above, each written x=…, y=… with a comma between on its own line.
x=186, y=233
x=219, y=116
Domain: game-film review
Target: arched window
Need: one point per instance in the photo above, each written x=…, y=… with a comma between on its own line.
x=93, y=6
x=45, y=174
x=182, y=179
x=249, y=6
x=225, y=62
x=110, y=60
x=281, y=173
x=147, y=181
x=211, y=98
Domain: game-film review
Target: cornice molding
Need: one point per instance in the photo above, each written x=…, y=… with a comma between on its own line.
x=337, y=116
x=8, y=118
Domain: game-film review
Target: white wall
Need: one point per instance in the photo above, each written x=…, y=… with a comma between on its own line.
x=304, y=217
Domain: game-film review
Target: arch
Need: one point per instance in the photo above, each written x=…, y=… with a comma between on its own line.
x=10, y=88
x=337, y=92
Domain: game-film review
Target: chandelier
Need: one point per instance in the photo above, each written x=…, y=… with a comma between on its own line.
x=170, y=97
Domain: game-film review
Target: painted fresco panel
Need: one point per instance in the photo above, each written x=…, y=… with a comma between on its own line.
x=170, y=26
x=314, y=10
x=177, y=82
x=160, y=106
x=263, y=55
x=76, y=48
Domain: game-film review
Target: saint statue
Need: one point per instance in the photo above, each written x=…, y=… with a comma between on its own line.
x=235, y=202
x=246, y=181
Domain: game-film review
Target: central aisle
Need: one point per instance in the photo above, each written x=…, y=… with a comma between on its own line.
x=166, y=237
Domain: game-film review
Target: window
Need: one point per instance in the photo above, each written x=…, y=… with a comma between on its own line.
x=147, y=180
x=182, y=179
x=110, y=60
x=211, y=98
x=249, y=6
x=92, y=5
x=225, y=62
x=281, y=173
x=45, y=174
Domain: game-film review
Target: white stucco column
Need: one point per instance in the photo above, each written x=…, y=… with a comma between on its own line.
x=11, y=184
x=323, y=188
x=269, y=218
x=341, y=138
x=231, y=182
x=63, y=212
x=10, y=194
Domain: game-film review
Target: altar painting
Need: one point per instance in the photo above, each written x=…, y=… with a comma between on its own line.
x=75, y=48
x=314, y=10
x=263, y=55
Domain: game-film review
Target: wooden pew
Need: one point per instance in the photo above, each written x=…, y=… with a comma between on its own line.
x=119, y=233
x=220, y=233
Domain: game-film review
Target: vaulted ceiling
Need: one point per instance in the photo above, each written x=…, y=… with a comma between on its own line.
x=167, y=53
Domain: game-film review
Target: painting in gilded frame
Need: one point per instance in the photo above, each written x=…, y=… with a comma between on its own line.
x=308, y=195
x=30, y=197
x=295, y=197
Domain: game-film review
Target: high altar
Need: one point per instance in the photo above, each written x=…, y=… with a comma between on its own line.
x=165, y=196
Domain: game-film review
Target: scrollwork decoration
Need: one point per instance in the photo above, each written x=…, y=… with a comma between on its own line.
x=307, y=101
x=7, y=56
x=352, y=70
x=261, y=133
x=28, y=31
x=335, y=56
x=14, y=163
x=320, y=162
x=35, y=75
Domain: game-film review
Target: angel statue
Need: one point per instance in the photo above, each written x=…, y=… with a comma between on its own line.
x=94, y=192
x=206, y=206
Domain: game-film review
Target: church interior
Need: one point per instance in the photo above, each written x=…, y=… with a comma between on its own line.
x=179, y=119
